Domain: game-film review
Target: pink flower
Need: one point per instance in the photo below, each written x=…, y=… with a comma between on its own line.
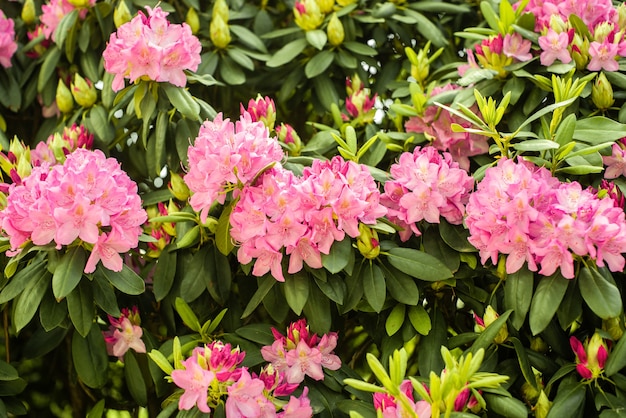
x=516, y=47
x=124, y=333
x=615, y=163
x=54, y=11
x=195, y=381
x=554, y=46
x=149, y=46
x=297, y=407
x=246, y=398
x=8, y=46
x=603, y=56
x=261, y=109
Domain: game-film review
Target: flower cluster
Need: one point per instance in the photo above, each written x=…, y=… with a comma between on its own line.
x=497, y=52
x=124, y=333
x=359, y=103
x=227, y=156
x=54, y=11
x=598, y=48
x=162, y=232
x=261, y=109
x=215, y=370
x=302, y=353
x=303, y=215
x=426, y=185
x=150, y=47
x=8, y=46
x=392, y=407
x=59, y=145
x=590, y=356
x=520, y=210
x=616, y=162
x=88, y=198
x=436, y=124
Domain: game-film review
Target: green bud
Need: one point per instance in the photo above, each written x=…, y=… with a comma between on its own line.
x=121, y=14
x=543, y=405
x=79, y=4
x=614, y=326
x=335, y=31
x=308, y=15
x=64, y=99
x=602, y=93
x=220, y=8
x=83, y=91
x=367, y=242
x=219, y=32
x=28, y=12
x=178, y=187
x=326, y=6
x=193, y=20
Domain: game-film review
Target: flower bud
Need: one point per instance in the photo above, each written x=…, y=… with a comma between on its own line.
x=28, y=12
x=420, y=65
x=326, y=6
x=335, y=31
x=538, y=344
x=543, y=405
x=367, y=242
x=83, y=91
x=290, y=138
x=64, y=99
x=220, y=8
x=602, y=31
x=308, y=14
x=488, y=318
x=614, y=326
x=178, y=187
x=219, y=32
x=79, y=4
x=121, y=14
x=602, y=93
x=262, y=109
x=193, y=20
x=590, y=356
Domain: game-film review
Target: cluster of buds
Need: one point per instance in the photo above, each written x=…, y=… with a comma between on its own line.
x=218, y=28
x=289, y=139
x=124, y=333
x=420, y=62
x=308, y=14
x=591, y=356
x=359, y=103
x=81, y=91
x=602, y=93
x=16, y=163
x=162, y=232
x=261, y=109
x=488, y=318
x=59, y=145
x=497, y=52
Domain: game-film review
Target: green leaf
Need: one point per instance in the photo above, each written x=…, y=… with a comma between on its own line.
x=319, y=63
x=98, y=123
x=571, y=397
x=80, y=307
x=334, y=288
x=565, y=131
x=518, y=293
x=297, y=291
x=182, y=101
x=240, y=58
x=427, y=28
x=548, y=296
x=64, y=26
x=27, y=303
x=359, y=48
x=218, y=277
x=187, y=315
x=373, y=285
x=317, y=311
x=104, y=295
x=265, y=284
x=23, y=278
x=325, y=91
x=97, y=411
x=247, y=37
x=258, y=333
x=456, y=237
x=485, y=339
x=52, y=314
x=598, y=129
x=536, y=145
x=401, y=286
x=48, y=67
x=339, y=256
x=68, y=272
x=160, y=360
x=126, y=280
x=617, y=359
x=524, y=363
x=134, y=378
x=223, y=241
x=395, y=319
x=602, y=297
x=164, y=273
x=316, y=38
x=287, y=53
x=231, y=72
x=418, y=264
x=90, y=357
x=506, y=406
x=419, y=319
x=7, y=372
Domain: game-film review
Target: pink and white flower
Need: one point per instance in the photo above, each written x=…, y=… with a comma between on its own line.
x=124, y=333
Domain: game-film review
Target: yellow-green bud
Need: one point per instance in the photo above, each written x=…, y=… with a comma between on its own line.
x=420, y=65
x=580, y=54
x=219, y=32
x=543, y=405
x=621, y=15
x=308, y=15
x=65, y=101
x=326, y=6
x=24, y=166
x=178, y=187
x=28, y=12
x=220, y=8
x=344, y=3
x=614, y=326
x=538, y=344
x=335, y=31
x=367, y=242
x=602, y=93
x=83, y=91
x=602, y=31
x=121, y=14
x=193, y=20
x=79, y=4
x=557, y=24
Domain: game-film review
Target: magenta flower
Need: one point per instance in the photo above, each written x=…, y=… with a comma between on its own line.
x=590, y=356
x=603, y=56
x=554, y=46
x=261, y=109
x=8, y=46
x=124, y=333
x=149, y=46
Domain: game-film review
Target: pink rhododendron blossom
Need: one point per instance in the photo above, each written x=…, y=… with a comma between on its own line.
x=55, y=149
x=299, y=407
x=390, y=407
x=8, y=46
x=227, y=156
x=88, y=198
x=150, y=47
x=436, y=123
x=261, y=109
x=301, y=353
x=246, y=398
x=513, y=45
x=54, y=11
x=603, y=56
x=615, y=163
x=124, y=333
x=426, y=185
x=195, y=381
x=522, y=211
x=554, y=46
x=302, y=217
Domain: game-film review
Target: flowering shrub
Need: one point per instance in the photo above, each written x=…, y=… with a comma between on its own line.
x=329, y=208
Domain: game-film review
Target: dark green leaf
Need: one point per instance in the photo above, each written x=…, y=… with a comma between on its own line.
x=418, y=264
x=98, y=123
x=258, y=333
x=546, y=300
x=317, y=311
x=230, y=72
x=223, y=241
x=23, y=278
x=338, y=257
x=218, y=279
x=601, y=296
x=429, y=348
x=134, y=378
x=359, y=48
x=182, y=101
x=68, y=272
x=524, y=363
x=456, y=237
x=334, y=288
x=7, y=372
x=597, y=129
x=52, y=314
x=164, y=273
x=506, y=406
x=126, y=280
x=104, y=295
x=617, y=359
x=287, y=53
x=248, y=37
x=29, y=300
x=401, y=286
x=80, y=307
x=518, y=293
x=90, y=357
x=373, y=285
x=570, y=398
x=265, y=284
x=48, y=67
x=319, y=63
x=296, y=291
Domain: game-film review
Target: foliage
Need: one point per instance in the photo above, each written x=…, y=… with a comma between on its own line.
x=428, y=196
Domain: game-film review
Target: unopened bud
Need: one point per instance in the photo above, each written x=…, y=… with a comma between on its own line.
x=83, y=91
x=335, y=31
x=602, y=93
x=28, y=12
x=290, y=138
x=79, y=4
x=261, y=109
x=308, y=15
x=614, y=326
x=326, y=6
x=602, y=30
x=193, y=20
x=178, y=187
x=220, y=8
x=219, y=32
x=121, y=14
x=367, y=242
x=64, y=99
x=543, y=405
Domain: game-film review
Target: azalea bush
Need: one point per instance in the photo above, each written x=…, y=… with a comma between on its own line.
x=329, y=208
